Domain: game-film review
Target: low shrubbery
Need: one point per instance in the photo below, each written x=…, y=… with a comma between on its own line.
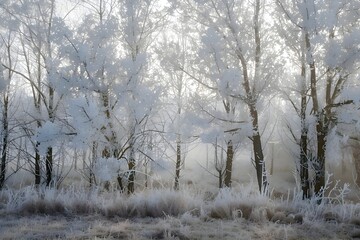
x=226, y=204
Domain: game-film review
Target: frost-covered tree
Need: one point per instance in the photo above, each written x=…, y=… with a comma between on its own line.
x=329, y=34
x=141, y=22
x=94, y=74
x=110, y=75
x=233, y=59
x=6, y=45
x=40, y=34
x=177, y=88
x=5, y=78
x=294, y=89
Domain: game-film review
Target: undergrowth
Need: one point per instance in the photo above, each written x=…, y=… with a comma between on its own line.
x=159, y=203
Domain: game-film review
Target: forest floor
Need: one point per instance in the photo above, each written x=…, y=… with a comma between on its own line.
x=80, y=213
x=14, y=226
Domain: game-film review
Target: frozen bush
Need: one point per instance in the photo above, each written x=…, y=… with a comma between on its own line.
x=41, y=206
x=156, y=203
x=246, y=204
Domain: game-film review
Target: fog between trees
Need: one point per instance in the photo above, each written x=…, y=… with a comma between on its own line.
x=118, y=93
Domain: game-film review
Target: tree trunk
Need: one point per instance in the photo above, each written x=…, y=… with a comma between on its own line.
x=177, y=165
x=258, y=151
x=355, y=146
x=120, y=183
x=37, y=145
x=259, y=163
x=5, y=130
x=49, y=153
x=304, y=166
x=251, y=100
x=49, y=166
x=75, y=159
x=131, y=166
x=106, y=152
x=313, y=83
x=256, y=138
x=229, y=162
x=37, y=101
x=319, y=165
x=220, y=178
x=131, y=178
x=219, y=164
x=320, y=160
x=37, y=165
x=92, y=179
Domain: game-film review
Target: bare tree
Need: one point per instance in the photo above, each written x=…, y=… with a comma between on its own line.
x=5, y=104
x=335, y=70
x=141, y=21
x=240, y=49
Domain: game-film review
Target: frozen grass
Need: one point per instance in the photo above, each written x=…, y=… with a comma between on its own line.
x=79, y=201
x=79, y=213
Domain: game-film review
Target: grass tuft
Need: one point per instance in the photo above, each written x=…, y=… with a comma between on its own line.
x=41, y=206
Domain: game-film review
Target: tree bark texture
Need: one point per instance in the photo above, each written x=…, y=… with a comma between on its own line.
x=304, y=166
x=131, y=166
x=228, y=165
x=49, y=166
x=177, y=165
x=5, y=139
x=131, y=178
x=319, y=164
x=49, y=153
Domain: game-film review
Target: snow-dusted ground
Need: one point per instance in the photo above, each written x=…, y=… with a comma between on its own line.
x=99, y=227
x=77, y=213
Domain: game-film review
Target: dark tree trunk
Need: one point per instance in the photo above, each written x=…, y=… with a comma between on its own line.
x=229, y=162
x=259, y=163
x=355, y=146
x=131, y=165
x=49, y=153
x=304, y=166
x=49, y=166
x=3, y=165
x=258, y=151
x=5, y=130
x=120, y=183
x=319, y=165
x=37, y=165
x=177, y=165
x=92, y=179
x=220, y=178
x=131, y=178
x=37, y=145
x=251, y=100
x=219, y=165
x=256, y=138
